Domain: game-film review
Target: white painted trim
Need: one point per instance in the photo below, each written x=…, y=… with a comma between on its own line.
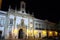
x=3, y=12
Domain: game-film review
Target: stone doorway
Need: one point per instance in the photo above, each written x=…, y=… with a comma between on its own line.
x=20, y=34
x=39, y=35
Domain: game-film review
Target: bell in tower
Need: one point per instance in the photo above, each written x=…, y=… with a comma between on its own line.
x=22, y=8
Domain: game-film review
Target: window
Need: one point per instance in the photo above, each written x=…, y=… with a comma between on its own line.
x=39, y=25
x=36, y=24
x=11, y=17
x=2, y=20
x=22, y=5
x=11, y=21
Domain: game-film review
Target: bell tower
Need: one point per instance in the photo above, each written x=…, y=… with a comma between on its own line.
x=22, y=7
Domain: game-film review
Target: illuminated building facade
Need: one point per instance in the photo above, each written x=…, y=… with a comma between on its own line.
x=21, y=23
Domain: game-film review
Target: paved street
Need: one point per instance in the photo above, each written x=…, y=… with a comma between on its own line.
x=21, y=39
x=31, y=38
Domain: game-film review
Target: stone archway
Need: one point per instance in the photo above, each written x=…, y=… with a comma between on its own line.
x=20, y=34
x=39, y=35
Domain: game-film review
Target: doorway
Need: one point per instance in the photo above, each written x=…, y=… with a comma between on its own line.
x=20, y=34
x=39, y=35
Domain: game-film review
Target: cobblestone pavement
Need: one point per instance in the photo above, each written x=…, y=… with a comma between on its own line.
x=23, y=39
x=26, y=39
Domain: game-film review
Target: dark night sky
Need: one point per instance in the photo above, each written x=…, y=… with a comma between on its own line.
x=42, y=10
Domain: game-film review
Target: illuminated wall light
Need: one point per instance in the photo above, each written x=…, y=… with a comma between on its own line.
x=56, y=33
x=44, y=33
x=15, y=31
x=35, y=32
x=50, y=33
x=30, y=32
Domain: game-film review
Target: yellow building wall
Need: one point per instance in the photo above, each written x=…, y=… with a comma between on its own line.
x=43, y=33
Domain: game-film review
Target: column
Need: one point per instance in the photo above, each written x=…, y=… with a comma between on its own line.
x=27, y=28
x=33, y=26
x=6, y=26
x=14, y=26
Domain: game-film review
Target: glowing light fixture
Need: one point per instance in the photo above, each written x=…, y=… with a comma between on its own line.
x=44, y=32
x=15, y=31
x=56, y=33
x=50, y=33
x=35, y=32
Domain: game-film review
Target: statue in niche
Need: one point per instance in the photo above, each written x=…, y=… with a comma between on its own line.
x=22, y=22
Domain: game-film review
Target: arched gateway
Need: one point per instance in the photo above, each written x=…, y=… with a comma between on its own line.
x=22, y=30
x=20, y=34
